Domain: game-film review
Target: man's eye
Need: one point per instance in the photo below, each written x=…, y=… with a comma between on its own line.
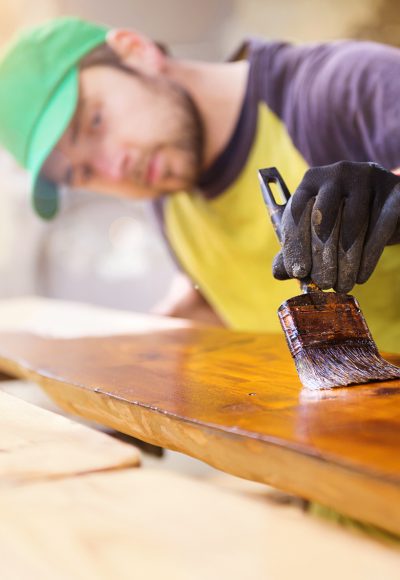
x=86, y=173
x=96, y=120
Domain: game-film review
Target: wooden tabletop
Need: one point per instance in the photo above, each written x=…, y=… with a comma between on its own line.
x=233, y=400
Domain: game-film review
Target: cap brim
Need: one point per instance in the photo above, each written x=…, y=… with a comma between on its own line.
x=45, y=198
x=51, y=125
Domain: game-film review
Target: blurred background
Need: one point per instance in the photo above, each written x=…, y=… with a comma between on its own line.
x=109, y=252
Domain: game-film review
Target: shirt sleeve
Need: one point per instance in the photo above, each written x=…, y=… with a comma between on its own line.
x=338, y=101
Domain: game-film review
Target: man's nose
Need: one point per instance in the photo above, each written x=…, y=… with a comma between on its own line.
x=111, y=166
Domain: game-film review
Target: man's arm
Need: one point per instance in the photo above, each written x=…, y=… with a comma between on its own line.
x=339, y=100
x=186, y=301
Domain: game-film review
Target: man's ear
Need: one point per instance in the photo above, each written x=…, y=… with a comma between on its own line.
x=136, y=51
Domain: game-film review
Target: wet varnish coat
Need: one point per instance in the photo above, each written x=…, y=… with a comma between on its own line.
x=233, y=400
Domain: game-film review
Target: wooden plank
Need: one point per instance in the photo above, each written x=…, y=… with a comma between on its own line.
x=234, y=401
x=65, y=319
x=150, y=524
x=36, y=444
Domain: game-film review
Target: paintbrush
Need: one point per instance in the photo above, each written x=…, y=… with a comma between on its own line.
x=327, y=334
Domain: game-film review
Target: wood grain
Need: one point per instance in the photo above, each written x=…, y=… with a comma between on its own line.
x=37, y=445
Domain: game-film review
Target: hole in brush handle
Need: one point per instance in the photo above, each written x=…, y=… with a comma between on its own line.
x=268, y=176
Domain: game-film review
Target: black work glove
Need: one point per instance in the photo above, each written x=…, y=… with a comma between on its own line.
x=336, y=225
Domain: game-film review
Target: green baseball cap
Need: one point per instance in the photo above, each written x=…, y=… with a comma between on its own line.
x=39, y=94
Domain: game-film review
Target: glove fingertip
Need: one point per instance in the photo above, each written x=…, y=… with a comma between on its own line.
x=299, y=270
x=278, y=268
x=367, y=267
x=363, y=276
x=343, y=288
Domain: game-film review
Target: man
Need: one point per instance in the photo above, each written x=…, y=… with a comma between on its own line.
x=109, y=111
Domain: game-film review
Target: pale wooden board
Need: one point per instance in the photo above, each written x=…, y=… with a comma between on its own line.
x=36, y=444
x=64, y=319
x=152, y=525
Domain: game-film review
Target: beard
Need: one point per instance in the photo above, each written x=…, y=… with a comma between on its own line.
x=182, y=125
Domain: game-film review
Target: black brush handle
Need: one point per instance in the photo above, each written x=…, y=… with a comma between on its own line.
x=275, y=210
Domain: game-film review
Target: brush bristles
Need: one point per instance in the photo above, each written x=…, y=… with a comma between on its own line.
x=340, y=365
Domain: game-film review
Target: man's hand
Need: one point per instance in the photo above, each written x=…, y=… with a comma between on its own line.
x=336, y=225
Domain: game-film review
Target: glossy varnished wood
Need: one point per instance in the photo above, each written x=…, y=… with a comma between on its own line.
x=234, y=401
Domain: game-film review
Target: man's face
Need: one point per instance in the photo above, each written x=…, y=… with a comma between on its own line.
x=131, y=135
